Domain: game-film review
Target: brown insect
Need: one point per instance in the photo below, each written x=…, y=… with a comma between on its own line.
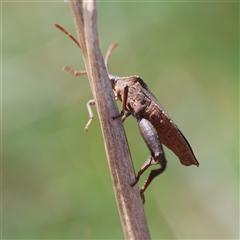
x=154, y=123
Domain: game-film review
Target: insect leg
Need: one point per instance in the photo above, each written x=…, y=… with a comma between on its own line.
x=152, y=140
x=154, y=173
x=150, y=161
x=127, y=114
x=124, y=99
x=89, y=103
x=124, y=102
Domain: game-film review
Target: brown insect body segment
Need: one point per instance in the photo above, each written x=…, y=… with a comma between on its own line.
x=168, y=131
x=141, y=102
x=154, y=123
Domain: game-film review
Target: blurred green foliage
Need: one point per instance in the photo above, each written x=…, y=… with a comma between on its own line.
x=55, y=178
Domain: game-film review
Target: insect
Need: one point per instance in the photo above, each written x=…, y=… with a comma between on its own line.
x=155, y=125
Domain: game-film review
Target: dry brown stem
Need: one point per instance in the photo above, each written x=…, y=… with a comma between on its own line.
x=122, y=172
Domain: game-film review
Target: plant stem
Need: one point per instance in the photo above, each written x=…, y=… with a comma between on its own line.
x=122, y=171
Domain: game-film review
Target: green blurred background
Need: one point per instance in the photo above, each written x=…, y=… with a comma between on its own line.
x=55, y=177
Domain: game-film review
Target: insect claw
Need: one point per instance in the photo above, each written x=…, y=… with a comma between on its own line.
x=141, y=191
x=135, y=182
x=118, y=116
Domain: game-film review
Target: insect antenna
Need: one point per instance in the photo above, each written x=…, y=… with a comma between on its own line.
x=77, y=73
x=109, y=51
x=67, y=33
x=66, y=68
x=74, y=72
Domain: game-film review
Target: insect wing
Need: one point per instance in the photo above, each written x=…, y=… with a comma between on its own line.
x=178, y=143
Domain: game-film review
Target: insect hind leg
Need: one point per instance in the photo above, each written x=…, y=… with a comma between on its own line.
x=154, y=173
x=150, y=161
x=152, y=140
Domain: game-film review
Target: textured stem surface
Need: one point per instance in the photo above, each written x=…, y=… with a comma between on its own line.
x=122, y=172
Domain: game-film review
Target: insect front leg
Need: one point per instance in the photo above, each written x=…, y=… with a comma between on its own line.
x=90, y=102
x=126, y=114
x=152, y=140
x=124, y=103
x=91, y=116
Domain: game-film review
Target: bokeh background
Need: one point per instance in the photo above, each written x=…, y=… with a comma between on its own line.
x=55, y=177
